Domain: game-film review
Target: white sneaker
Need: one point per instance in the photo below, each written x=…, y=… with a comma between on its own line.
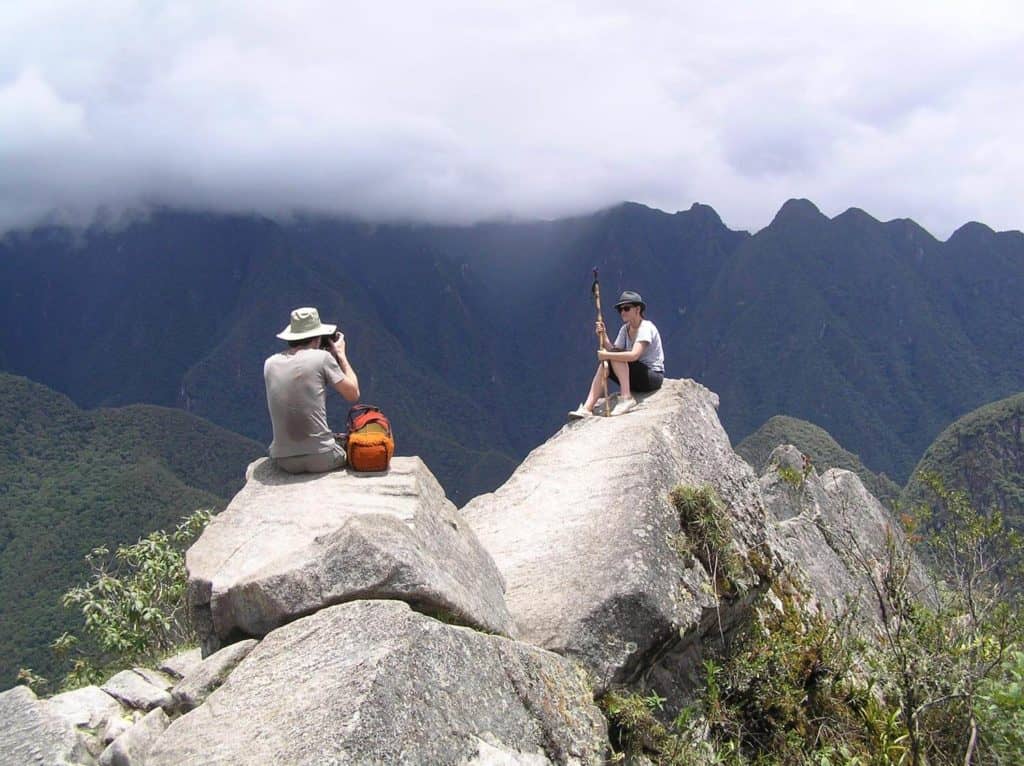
x=624, y=406
x=579, y=413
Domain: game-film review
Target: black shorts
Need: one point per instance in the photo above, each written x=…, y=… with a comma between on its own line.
x=641, y=377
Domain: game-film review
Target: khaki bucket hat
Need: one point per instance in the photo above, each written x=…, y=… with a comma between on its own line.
x=305, y=323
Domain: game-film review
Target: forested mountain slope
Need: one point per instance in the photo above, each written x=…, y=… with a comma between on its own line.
x=981, y=453
x=477, y=340
x=72, y=479
x=870, y=330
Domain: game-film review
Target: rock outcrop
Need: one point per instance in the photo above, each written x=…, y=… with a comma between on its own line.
x=373, y=682
x=206, y=677
x=585, y=535
x=180, y=665
x=87, y=708
x=132, y=747
x=835, y=534
x=358, y=612
x=288, y=545
x=138, y=691
x=32, y=732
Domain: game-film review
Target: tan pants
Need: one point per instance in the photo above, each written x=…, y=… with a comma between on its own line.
x=319, y=462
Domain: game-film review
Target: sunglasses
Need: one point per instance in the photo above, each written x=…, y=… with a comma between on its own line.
x=627, y=307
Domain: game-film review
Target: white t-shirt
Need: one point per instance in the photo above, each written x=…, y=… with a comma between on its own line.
x=653, y=357
x=297, y=384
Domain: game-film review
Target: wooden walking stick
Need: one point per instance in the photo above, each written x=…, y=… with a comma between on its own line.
x=596, y=290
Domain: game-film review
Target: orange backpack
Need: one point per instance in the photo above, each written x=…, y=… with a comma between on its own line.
x=370, y=442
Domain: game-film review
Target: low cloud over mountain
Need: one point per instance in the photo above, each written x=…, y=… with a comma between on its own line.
x=452, y=113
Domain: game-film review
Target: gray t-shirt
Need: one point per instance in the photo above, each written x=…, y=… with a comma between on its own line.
x=297, y=383
x=653, y=357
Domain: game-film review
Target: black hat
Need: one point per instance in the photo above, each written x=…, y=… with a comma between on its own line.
x=628, y=297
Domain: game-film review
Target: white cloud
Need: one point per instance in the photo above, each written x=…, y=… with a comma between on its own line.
x=458, y=110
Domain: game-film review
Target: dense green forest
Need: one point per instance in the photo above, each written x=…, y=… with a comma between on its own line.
x=477, y=339
x=72, y=479
x=981, y=453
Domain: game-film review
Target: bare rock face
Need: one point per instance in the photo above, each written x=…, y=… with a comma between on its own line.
x=181, y=664
x=34, y=733
x=589, y=543
x=134, y=689
x=90, y=710
x=836, y=534
x=373, y=682
x=209, y=674
x=87, y=708
x=131, y=747
x=289, y=545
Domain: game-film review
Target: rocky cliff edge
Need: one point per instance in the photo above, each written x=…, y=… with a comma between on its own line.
x=587, y=570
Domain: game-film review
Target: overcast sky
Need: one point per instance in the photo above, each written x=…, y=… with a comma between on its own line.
x=459, y=111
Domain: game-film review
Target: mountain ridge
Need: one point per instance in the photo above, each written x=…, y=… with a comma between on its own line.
x=480, y=338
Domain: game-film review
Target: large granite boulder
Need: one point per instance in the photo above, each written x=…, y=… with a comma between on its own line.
x=35, y=733
x=135, y=688
x=289, y=545
x=373, y=682
x=90, y=710
x=590, y=545
x=181, y=664
x=194, y=688
x=131, y=747
x=86, y=708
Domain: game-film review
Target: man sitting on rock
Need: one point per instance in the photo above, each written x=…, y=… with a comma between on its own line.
x=297, y=381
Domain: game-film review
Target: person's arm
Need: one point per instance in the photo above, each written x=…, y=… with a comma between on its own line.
x=624, y=356
x=348, y=386
x=599, y=328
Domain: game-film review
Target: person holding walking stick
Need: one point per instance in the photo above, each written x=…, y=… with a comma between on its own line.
x=636, y=359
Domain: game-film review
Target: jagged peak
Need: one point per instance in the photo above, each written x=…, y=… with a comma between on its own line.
x=909, y=228
x=972, y=231
x=702, y=212
x=699, y=210
x=797, y=209
x=856, y=215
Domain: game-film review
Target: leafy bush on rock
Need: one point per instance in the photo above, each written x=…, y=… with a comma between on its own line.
x=133, y=605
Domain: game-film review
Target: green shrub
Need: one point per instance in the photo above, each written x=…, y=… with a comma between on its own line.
x=783, y=689
x=133, y=605
x=636, y=732
x=705, y=522
x=1000, y=710
x=782, y=692
x=791, y=476
x=943, y=683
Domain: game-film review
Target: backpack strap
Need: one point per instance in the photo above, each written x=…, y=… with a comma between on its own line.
x=370, y=417
x=362, y=414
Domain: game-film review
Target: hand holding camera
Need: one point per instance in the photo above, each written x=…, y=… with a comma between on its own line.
x=336, y=343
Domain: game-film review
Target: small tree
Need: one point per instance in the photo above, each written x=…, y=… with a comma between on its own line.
x=938, y=658
x=133, y=604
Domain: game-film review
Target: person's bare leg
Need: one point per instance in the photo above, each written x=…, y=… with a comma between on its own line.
x=596, y=386
x=626, y=401
x=622, y=373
